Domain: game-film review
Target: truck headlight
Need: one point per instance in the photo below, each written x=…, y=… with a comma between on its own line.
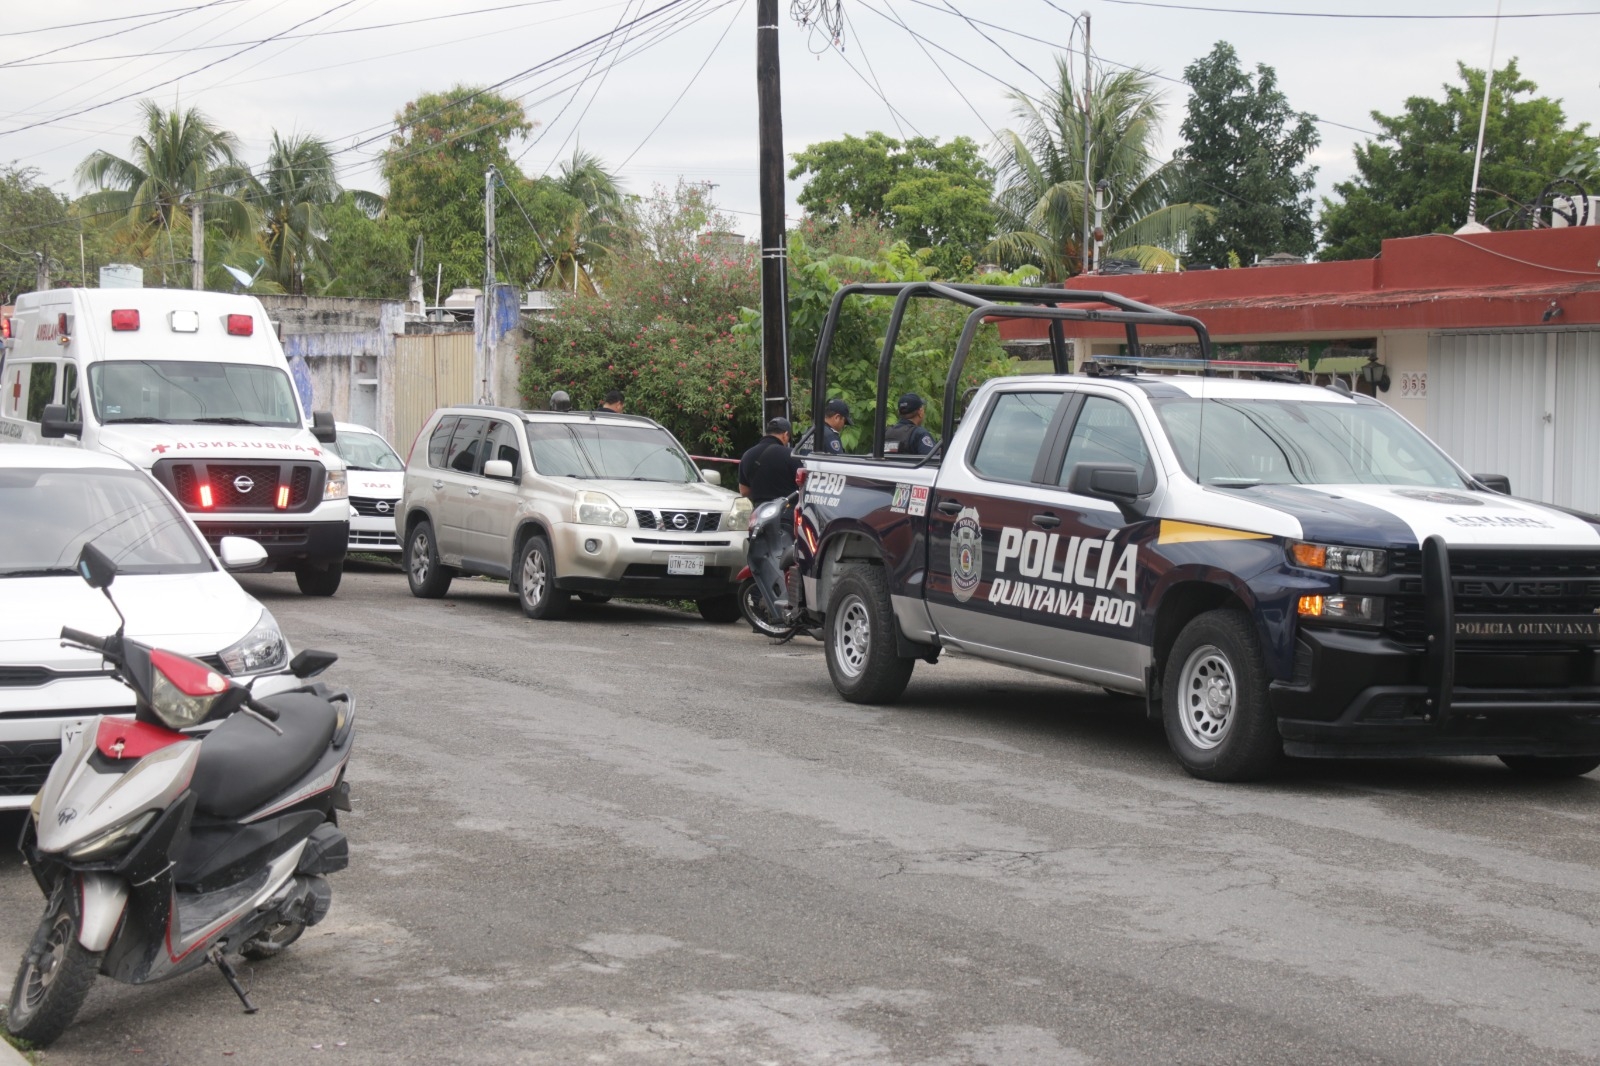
x=260, y=650
x=1339, y=560
x=739, y=514
x=598, y=509
x=1350, y=610
x=336, y=487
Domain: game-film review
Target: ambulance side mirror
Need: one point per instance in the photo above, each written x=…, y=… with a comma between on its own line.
x=322, y=427
x=53, y=422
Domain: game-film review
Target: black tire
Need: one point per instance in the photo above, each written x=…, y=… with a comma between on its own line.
x=594, y=597
x=319, y=580
x=54, y=977
x=1214, y=700
x=754, y=609
x=536, y=582
x=272, y=940
x=429, y=579
x=859, y=639
x=720, y=610
x=1550, y=767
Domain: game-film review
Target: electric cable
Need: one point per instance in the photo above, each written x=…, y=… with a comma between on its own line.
x=692, y=79
x=118, y=33
x=1344, y=14
x=117, y=18
x=579, y=87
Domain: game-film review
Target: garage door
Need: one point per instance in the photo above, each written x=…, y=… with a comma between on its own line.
x=1526, y=405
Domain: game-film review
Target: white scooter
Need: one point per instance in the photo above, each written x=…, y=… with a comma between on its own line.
x=160, y=850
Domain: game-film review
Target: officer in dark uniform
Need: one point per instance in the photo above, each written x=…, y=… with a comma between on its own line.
x=835, y=416
x=907, y=437
x=766, y=471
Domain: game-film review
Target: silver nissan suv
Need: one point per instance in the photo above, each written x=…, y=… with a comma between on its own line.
x=561, y=503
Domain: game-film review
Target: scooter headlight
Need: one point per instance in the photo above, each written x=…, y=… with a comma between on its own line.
x=113, y=840
x=182, y=690
x=260, y=650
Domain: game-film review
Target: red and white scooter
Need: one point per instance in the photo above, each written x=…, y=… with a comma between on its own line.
x=160, y=848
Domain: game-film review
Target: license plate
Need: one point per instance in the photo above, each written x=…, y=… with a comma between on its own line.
x=686, y=565
x=73, y=730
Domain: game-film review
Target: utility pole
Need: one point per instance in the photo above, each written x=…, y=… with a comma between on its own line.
x=482, y=332
x=488, y=229
x=774, y=249
x=41, y=280
x=1088, y=146
x=197, y=243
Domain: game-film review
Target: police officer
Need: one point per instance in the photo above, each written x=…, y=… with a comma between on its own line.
x=612, y=402
x=766, y=471
x=835, y=416
x=907, y=437
x=560, y=401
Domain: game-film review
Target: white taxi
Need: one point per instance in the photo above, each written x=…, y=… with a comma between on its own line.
x=376, y=475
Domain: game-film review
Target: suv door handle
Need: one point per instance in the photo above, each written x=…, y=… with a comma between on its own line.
x=473, y=491
x=1046, y=521
x=950, y=506
x=438, y=484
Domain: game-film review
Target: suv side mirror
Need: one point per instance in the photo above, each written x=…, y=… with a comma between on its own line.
x=1116, y=482
x=711, y=477
x=322, y=427
x=500, y=469
x=1493, y=482
x=53, y=422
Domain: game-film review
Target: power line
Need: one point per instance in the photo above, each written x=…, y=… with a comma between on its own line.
x=1347, y=14
x=118, y=33
x=118, y=18
x=626, y=10
x=692, y=79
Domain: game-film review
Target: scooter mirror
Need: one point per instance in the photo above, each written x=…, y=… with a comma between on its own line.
x=310, y=663
x=96, y=566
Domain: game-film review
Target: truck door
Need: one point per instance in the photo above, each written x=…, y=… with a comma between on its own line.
x=492, y=503
x=984, y=498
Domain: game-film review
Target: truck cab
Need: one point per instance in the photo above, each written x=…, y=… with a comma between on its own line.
x=192, y=387
x=1273, y=567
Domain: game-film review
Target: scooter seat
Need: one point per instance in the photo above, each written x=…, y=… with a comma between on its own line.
x=243, y=764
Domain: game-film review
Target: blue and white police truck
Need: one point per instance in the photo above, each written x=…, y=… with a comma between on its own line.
x=1273, y=566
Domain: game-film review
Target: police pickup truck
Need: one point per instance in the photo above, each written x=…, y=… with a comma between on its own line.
x=1274, y=567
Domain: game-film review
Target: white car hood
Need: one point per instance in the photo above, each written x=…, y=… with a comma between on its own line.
x=1473, y=517
x=193, y=614
x=142, y=445
x=376, y=484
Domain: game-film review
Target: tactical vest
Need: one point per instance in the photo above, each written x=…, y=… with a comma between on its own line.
x=897, y=437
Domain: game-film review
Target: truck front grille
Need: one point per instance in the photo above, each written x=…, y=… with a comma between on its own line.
x=233, y=487
x=1499, y=581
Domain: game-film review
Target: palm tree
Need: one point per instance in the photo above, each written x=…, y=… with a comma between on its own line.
x=179, y=161
x=300, y=182
x=1041, y=180
x=599, y=219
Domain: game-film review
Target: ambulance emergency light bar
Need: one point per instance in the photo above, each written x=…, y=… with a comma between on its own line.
x=1110, y=364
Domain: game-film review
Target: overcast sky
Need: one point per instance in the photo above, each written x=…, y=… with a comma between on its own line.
x=342, y=68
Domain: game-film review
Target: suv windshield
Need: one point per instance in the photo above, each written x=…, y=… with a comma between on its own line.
x=232, y=394
x=608, y=450
x=365, y=451
x=47, y=515
x=1294, y=442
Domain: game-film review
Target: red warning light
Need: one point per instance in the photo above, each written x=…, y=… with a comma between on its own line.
x=205, y=497
x=241, y=325
x=283, y=497
x=125, y=320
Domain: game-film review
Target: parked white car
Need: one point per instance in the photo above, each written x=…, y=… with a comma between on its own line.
x=172, y=590
x=375, y=474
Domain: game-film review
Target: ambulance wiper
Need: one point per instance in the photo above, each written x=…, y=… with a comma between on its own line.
x=145, y=420
x=227, y=420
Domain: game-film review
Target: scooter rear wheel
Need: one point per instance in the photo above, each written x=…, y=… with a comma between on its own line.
x=754, y=609
x=54, y=977
x=272, y=940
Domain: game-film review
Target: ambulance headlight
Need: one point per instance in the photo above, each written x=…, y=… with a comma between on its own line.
x=1339, y=560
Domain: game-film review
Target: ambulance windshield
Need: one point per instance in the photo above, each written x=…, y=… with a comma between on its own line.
x=1237, y=442
x=192, y=392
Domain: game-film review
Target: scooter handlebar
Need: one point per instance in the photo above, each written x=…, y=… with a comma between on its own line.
x=271, y=714
x=88, y=640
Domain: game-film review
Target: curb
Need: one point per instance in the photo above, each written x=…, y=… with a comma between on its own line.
x=10, y=1056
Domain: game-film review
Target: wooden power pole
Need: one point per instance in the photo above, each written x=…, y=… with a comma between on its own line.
x=774, y=245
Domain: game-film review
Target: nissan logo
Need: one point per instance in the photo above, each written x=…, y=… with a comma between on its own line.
x=243, y=484
x=680, y=521
x=383, y=506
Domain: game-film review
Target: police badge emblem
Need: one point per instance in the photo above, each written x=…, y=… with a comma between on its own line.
x=966, y=554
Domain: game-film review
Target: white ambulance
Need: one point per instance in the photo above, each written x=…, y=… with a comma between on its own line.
x=194, y=388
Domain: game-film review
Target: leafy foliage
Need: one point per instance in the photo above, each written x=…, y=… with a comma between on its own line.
x=1041, y=182
x=293, y=198
x=932, y=196
x=1245, y=153
x=1416, y=177
x=33, y=217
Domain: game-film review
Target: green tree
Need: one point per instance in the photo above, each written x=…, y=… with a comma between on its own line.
x=1041, y=180
x=1416, y=176
x=930, y=195
x=300, y=184
x=1245, y=153
x=368, y=253
x=179, y=160
x=592, y=225
x=34, y=221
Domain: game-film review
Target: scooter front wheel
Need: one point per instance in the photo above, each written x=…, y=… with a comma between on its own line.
x=54, y=977
x=754, y=609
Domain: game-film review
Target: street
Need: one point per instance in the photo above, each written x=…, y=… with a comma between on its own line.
x=633, y=837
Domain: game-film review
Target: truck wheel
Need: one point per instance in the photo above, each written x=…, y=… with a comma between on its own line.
x=319, y=580
x=427, y=577
x=1214, y=700
x=536, y=586
x=1550, y=767
x=859, y=639
x=719, y=610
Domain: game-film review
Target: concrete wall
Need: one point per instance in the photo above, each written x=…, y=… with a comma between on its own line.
x=345, y=347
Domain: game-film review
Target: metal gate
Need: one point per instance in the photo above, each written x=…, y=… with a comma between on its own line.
x=430, y=371
x=1526, y=405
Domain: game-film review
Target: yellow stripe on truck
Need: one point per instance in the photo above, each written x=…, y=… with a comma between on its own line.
x=1190, y=532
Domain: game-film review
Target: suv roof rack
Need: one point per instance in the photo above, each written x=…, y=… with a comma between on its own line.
x=1111, y=365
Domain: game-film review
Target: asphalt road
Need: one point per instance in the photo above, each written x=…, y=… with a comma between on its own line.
x=632, y=837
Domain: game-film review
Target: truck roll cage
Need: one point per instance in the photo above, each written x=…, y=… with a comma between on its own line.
x=988, y=303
